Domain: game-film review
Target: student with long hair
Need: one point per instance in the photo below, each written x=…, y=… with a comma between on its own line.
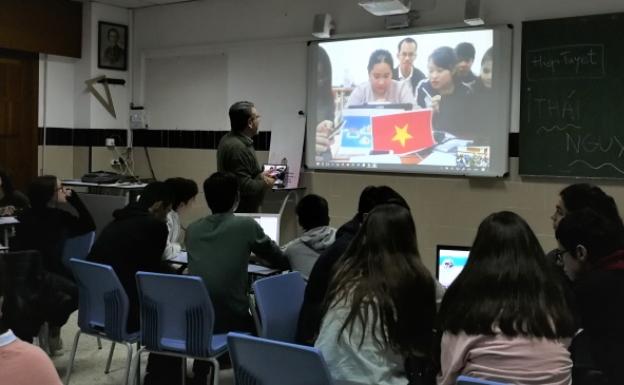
x=380, y=308
x=184, y=192
x=592, y=250
x=11, y=200
x=506, y=317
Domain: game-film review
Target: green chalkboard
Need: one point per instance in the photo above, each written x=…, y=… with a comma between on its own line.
x=572, y=97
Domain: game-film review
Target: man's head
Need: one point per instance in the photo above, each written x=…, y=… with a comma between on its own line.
x=113, y=36
x=406, y=54
x=373, y=196
x=184, y=191
x=312, y=212
x=465, y=57
x=156, y=198
x=244, y=118
x=221, y=192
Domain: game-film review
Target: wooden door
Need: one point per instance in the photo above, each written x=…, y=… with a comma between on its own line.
x=19, y=77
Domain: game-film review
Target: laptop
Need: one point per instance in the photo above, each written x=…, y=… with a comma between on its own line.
x=450, y=261
x=270, y=223
x=279, y=172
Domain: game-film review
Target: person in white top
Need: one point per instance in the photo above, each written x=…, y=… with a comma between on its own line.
x=380, y=307
x=506, y=316
x=380, y=87
x=184, y=192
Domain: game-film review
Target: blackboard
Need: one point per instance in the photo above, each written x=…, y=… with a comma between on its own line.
x=572, y=97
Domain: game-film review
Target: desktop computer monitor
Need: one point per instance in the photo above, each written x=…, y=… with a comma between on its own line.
x=270, y=223
x=450, y=261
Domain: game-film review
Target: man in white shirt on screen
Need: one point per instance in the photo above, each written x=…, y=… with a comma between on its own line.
x=406, y=54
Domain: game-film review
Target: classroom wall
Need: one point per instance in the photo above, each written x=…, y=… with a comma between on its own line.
x=447, y=209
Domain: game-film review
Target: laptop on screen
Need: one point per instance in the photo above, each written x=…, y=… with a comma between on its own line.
x=450, y=261
x=270, y=223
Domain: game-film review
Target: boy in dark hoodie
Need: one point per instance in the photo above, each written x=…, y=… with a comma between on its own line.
x=135, y=241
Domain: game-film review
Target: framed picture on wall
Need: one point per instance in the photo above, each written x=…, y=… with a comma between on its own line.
x=112, y=46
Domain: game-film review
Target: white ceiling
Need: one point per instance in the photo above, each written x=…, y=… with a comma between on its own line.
x=140, y=3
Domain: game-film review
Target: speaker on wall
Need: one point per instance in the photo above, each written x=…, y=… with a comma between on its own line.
x=472, y=13
x=323, y=25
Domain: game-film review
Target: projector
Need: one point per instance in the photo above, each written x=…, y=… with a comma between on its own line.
x=386, y=7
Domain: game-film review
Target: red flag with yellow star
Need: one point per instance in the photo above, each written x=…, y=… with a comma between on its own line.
x=403, y=132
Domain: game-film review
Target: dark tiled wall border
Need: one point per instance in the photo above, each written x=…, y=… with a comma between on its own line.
x=208, y=140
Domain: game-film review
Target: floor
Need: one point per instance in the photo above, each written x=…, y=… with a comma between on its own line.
x=90, y=361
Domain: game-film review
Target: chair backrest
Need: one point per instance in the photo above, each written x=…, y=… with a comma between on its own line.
x=262, y=361
x=103, y=302
x=279, y=300
x=467, y=380
x=77, y=247
x=175, y=311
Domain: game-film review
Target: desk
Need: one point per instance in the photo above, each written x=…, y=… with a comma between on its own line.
x=181, y=259
x=7, y=223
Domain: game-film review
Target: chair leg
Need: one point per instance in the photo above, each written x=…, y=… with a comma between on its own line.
x=110, y=358
x=99, y=341
x=72, y=356
x=135, y=366
x=183, y=371
x=215, y=371
x=128, y=362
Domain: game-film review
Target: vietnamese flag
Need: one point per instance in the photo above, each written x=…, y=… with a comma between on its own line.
x=403, y=132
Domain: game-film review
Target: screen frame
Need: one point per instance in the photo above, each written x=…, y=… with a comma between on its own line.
x=503, y=40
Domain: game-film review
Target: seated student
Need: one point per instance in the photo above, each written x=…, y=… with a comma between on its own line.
x=577, y=197
x=318, y=282
x=446, y=95
x=22, y=363
x=45, y=227
x=135, y=241
x=592, y=250
x=219, y=247
x=505, y=317
x=11, y=200
x=380, y=306
x=184, y=192
x=483, y=84
x=313, y=215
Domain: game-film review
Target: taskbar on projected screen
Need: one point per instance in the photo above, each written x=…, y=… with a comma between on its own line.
x=405, y=168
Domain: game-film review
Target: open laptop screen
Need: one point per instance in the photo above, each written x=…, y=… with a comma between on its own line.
x=270, y=223
x=450, y=261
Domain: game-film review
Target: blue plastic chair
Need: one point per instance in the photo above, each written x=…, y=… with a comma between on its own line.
x=177, y=319
x=467, y=380
x=102, y=311
x=279, y=300
x=77, y=247
x=261, y=361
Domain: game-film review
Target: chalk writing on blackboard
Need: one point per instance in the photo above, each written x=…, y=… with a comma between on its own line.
x=576, y=61
x=598, y=167
x=563, y=110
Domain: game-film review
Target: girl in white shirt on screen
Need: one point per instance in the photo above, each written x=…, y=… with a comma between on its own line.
x=184, y=192
x=380, y=305
x=380, y=87
x=506, y=317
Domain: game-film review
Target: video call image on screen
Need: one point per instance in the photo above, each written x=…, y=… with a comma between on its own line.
x=435, y=102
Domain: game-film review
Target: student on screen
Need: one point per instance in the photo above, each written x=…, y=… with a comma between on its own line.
x=465, y=59
x=446, y=95
x=506, y=317
x=380, y=87
x=405, y=70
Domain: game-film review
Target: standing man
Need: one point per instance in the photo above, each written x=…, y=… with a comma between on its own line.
x=406, y=55
x=237, y=156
